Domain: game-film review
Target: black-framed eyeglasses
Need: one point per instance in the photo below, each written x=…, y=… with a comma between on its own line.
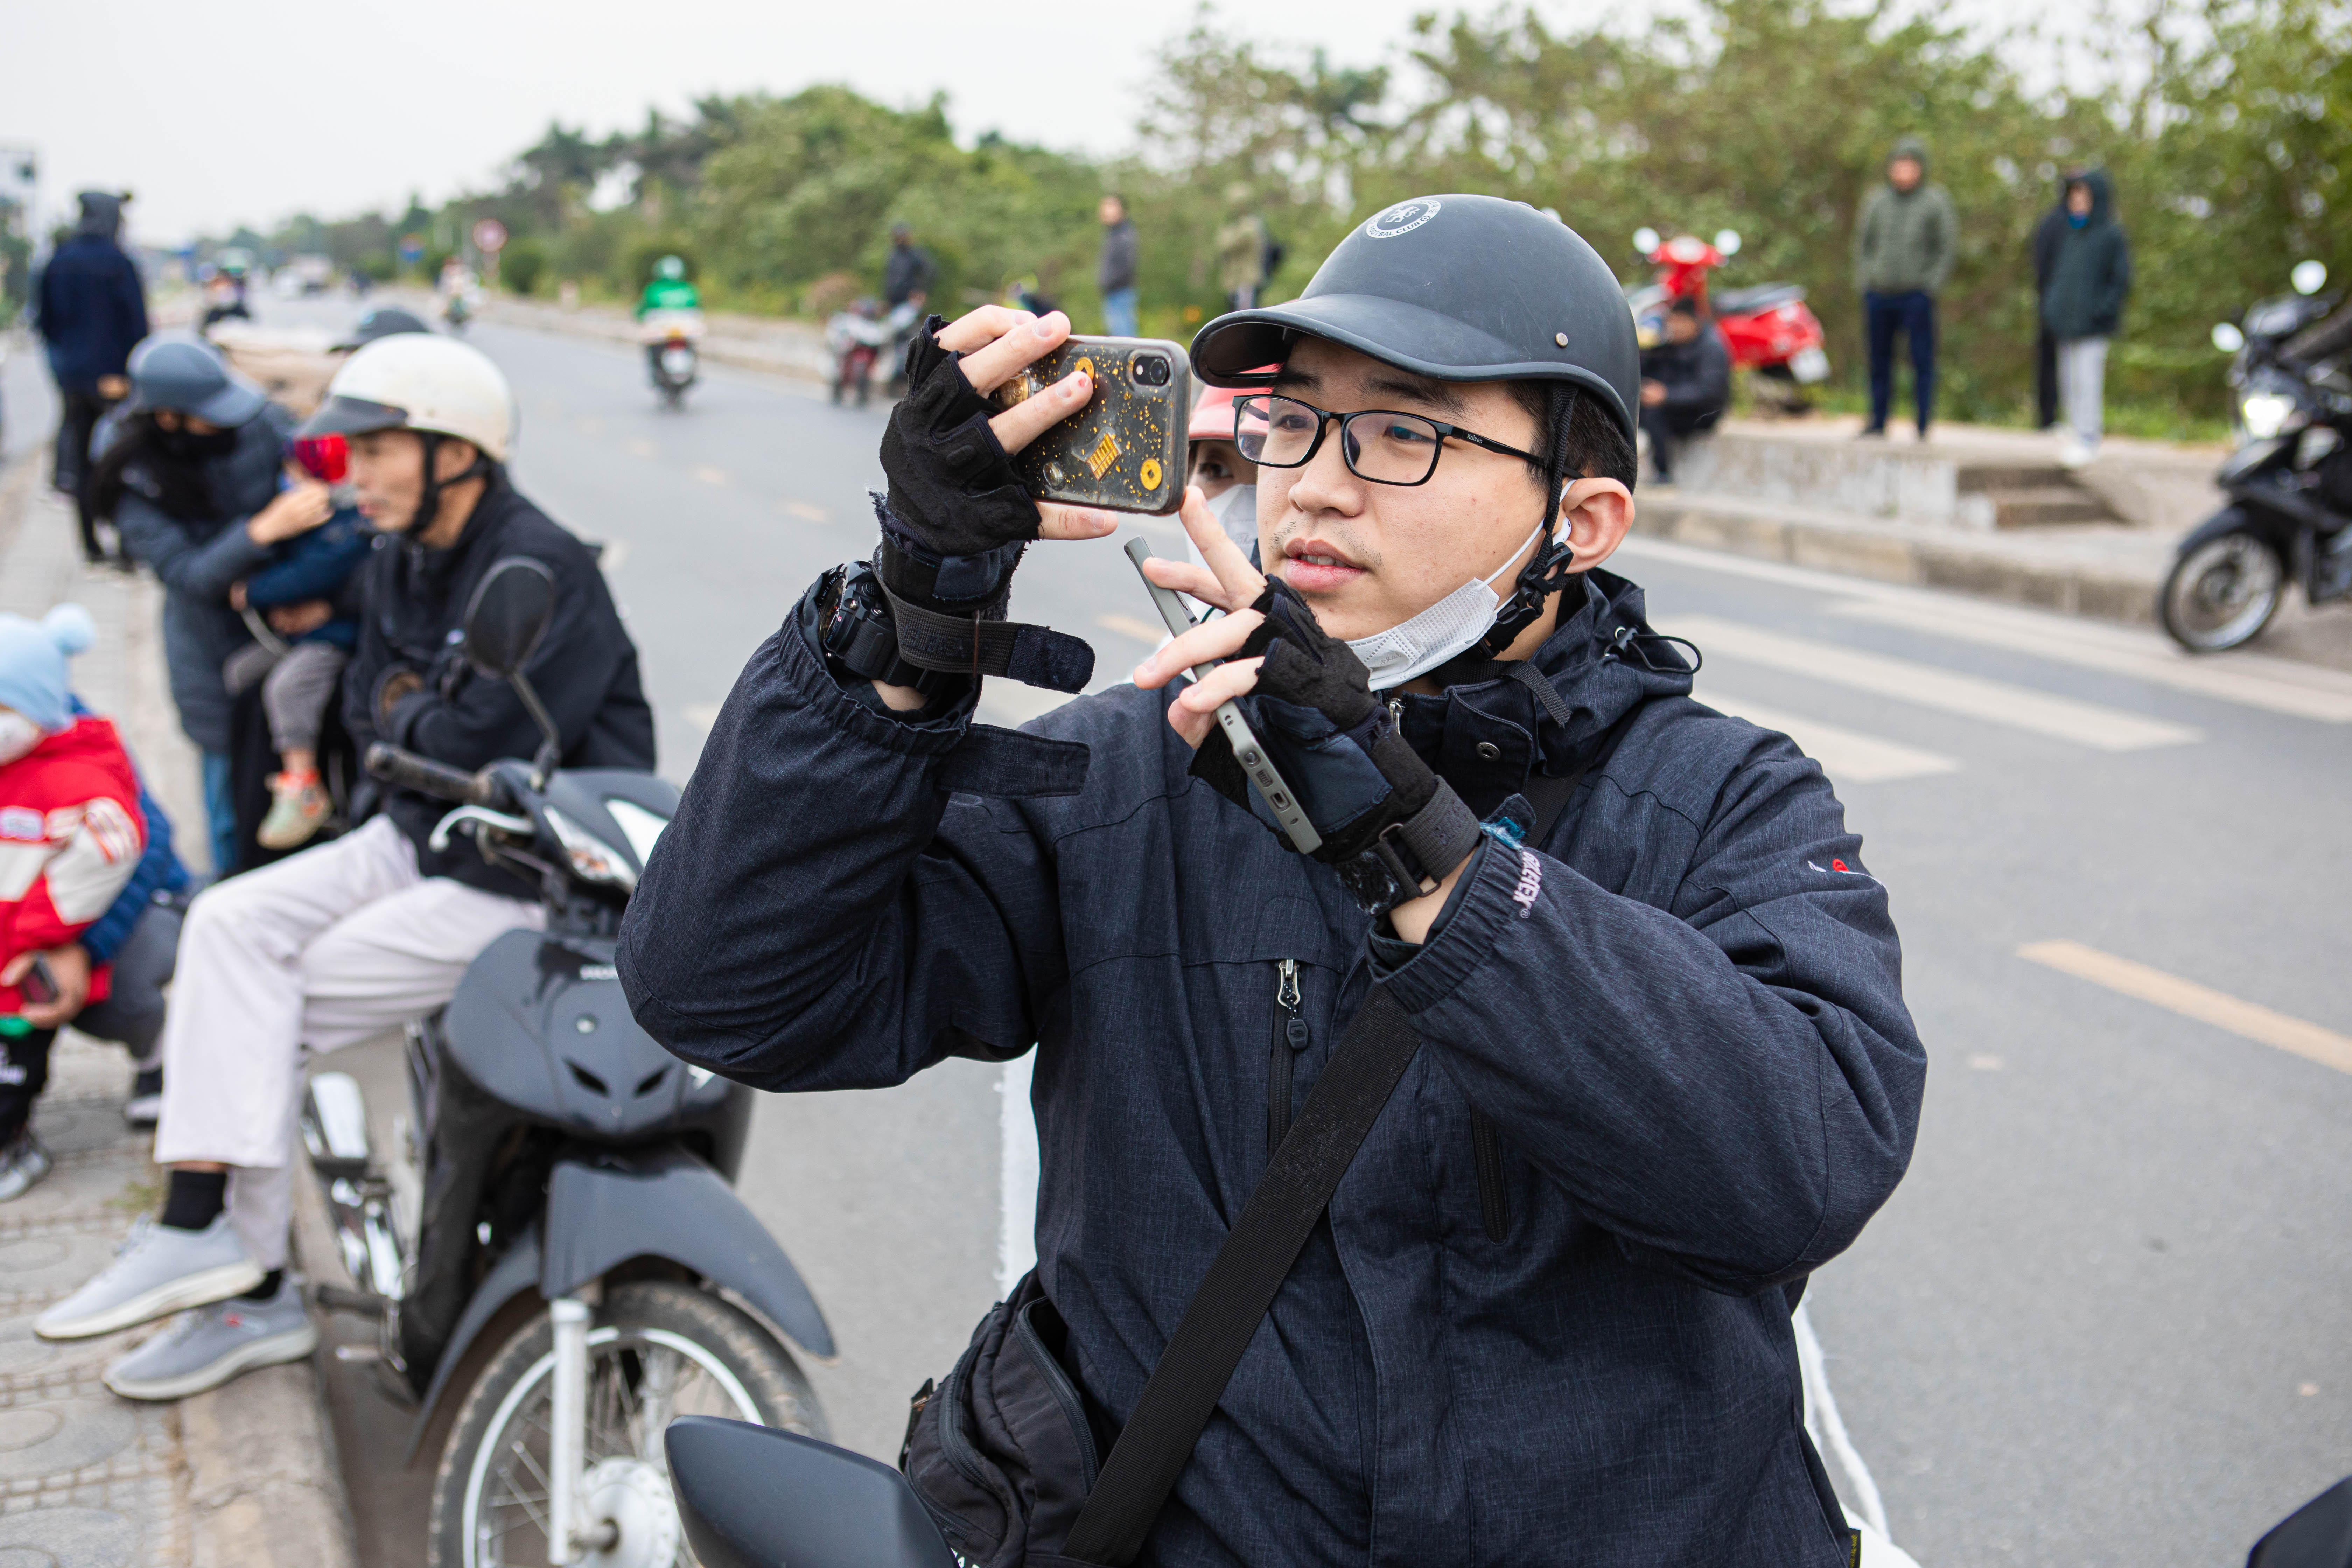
x=1381, y=445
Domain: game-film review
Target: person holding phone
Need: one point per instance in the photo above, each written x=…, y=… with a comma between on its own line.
x=1663, y=1069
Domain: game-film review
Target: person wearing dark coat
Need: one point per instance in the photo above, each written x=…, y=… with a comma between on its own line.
x=1664, y=1067
x=909, y=272
x=191, y=470
x=1685, y=384
x=2090, y=278
x=2046, y=237
x=91, y=308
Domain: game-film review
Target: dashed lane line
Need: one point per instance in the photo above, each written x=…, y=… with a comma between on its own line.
x=1883, y=675
x=2247, y=1020
x=1847, y=756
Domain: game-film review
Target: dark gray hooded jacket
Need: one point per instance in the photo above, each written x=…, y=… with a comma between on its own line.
x=1681, y=1016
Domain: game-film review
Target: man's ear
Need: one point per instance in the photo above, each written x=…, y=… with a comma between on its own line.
x=1599, y=513
x=456, y=456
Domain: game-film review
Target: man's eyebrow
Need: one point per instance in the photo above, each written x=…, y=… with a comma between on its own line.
x=1436, y=394
x=1306, y=380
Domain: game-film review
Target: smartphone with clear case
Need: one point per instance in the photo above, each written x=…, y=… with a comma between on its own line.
x=1124, y=450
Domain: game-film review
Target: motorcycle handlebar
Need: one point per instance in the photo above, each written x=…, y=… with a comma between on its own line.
x=396, y=766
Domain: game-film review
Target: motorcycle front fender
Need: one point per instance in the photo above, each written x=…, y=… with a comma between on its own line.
x=2246, y=515
x=606, y=1208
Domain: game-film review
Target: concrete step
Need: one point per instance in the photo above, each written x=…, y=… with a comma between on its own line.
x=1984, y=477
x=2031, y=508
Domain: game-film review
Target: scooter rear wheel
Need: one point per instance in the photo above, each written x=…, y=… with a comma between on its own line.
x=657, y=1349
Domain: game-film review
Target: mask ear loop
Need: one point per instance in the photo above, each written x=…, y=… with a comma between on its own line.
x=1625, y=644
x=1547, y=570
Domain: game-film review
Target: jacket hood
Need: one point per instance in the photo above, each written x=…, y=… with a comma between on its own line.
x=2101, y=195
x=1910, y=147
x=101, y=215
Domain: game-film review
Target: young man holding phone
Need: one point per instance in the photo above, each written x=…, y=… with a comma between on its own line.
x=1664, y=1069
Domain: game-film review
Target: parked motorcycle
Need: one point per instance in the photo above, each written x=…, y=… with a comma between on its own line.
x=672, y=341
x=552, y=1247
x=2289, y=482
x=1769, y=327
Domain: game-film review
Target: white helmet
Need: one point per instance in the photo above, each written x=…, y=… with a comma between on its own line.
x=417, y=381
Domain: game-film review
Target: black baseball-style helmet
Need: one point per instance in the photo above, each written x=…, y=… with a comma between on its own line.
x=1456, y=288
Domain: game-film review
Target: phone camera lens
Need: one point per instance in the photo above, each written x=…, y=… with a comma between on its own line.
x=1149, y=370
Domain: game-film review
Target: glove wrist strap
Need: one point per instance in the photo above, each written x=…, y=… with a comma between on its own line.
x=1411, y=858
x=980, y=645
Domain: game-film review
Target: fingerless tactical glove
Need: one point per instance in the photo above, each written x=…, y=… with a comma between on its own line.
x=1391, y=826
x=954, y=524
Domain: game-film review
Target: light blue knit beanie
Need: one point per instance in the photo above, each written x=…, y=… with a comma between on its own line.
x=33, y=656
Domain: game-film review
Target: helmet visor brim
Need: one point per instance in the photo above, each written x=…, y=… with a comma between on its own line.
x=1233, y=350
x=352, y=416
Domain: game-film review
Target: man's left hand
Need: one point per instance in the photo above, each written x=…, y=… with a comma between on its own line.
x=395, y=686
x=70, y=965
x=298, y=619
x=1652, y=393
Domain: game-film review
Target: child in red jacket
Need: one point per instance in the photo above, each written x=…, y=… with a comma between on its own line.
x=70, y=836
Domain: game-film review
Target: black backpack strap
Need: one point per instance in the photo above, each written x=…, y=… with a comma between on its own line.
x=1256, y=1257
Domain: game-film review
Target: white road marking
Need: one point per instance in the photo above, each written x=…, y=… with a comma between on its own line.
x=1827, y=1428
x=710, y=476
x=2247, y=1020
x=805, y=512
x=1883, y=675
x=2278, y=685
x=701, y=715
x=1016, y=1172
x=2253, y=680
x=613, y=555
x=1134, y=626
x=638, y=446
x=1847, y=756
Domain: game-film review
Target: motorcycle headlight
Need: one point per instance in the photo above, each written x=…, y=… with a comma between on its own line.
x=2265, y=414
x=593, y=859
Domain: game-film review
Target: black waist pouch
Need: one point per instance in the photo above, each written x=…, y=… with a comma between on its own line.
x=1002, y=1452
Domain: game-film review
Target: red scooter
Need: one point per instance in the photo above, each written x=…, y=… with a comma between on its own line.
x=1769, y=327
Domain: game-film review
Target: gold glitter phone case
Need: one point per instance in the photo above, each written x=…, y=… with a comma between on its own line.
x=1124, y=451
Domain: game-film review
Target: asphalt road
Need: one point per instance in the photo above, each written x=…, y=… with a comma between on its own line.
x=2104, y=1319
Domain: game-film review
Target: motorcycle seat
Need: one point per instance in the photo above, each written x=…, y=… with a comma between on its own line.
x=1755, y=300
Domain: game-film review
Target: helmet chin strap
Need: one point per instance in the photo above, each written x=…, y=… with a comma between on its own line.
x=428, y=503
x=1547, y=570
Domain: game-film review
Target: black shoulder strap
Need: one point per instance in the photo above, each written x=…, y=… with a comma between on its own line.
x=1157, y=1442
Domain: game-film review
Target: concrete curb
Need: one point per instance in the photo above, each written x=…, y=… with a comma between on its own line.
x=2105, y=572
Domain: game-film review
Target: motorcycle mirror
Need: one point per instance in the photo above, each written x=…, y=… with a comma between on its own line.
x=1726, y=240
x=2317, y=1535
x=751, y=1496
x=509, y=617
x=2309, y=276
x=1645, y=239
x=2227, y=338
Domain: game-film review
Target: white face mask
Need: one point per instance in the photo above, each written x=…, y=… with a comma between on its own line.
x=1236, y=513
x=19, y=735
x=1417, y=645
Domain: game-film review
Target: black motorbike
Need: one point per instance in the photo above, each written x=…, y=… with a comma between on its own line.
x=2289, y=517
x=672, y=360
x=555, y=1250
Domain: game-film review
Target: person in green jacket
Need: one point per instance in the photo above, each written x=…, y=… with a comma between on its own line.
x=668, y=289
x=1905, y=244
x=2083, y=304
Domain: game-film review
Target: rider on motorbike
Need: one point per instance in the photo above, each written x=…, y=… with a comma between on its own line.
x=333, y=945
x=668, y=289
x=1663, y=1067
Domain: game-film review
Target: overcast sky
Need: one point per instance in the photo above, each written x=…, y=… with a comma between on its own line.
x=214, y=116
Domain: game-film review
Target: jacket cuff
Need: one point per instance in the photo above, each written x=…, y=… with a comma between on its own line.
x=1489, y=898
x=401, y=728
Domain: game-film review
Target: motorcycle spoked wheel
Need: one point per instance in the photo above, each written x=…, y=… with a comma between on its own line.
x=2223, y=593
x=657, y=1350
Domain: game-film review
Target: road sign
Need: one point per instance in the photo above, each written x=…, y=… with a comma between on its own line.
x=412, y=249
x=489, y=236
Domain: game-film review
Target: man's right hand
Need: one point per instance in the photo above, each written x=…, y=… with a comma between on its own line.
x=295, y=511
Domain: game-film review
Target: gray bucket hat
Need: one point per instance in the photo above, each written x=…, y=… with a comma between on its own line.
x=189, y=377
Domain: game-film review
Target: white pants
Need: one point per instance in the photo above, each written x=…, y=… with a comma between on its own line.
x=2082, y=387
x=322, y=950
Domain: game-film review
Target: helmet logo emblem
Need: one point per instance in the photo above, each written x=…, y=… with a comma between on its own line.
x=1402, y=219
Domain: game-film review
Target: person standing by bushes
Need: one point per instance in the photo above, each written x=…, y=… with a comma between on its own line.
x=1904, y=248
x=2090, y=278
x=1115, y=271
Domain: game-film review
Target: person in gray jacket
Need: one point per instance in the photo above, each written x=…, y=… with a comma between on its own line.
x=1905, y=244
x=191, y=470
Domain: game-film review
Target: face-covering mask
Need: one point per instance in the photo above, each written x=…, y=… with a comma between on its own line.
x=1420, y=644
x=187, y=446
x=1236, y=513
x=19, y=735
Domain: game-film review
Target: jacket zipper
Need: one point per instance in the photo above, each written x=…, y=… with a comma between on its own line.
x=1290, y=1037
x=1494, y=1204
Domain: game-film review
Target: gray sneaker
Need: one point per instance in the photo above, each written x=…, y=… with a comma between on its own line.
x=157, y=1270
x=206, y=1346
x=23, y=1162
x=145, y=1106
